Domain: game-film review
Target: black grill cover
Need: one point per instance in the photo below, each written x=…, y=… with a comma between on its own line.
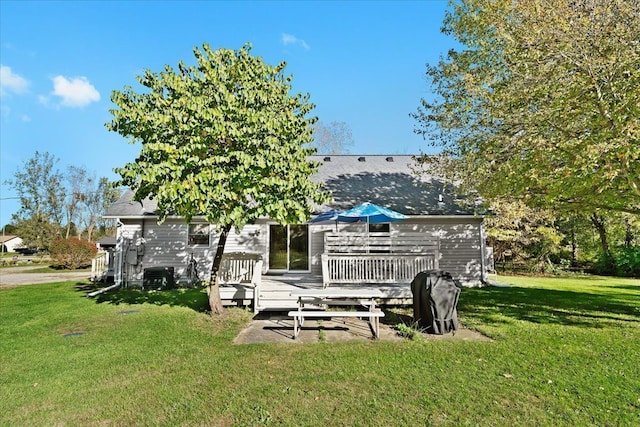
x=435, y=297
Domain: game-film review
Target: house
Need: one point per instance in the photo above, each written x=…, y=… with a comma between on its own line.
x=434, y=215
x=9, y=243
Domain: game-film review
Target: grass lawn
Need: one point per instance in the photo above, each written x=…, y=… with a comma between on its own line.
x=566, y=352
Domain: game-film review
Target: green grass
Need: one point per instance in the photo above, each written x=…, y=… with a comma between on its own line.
x=566, y=352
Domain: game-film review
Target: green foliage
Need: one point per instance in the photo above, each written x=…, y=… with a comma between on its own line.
x=72, y=253
x=50, y=209
x=408, y=331
x=39, y=185
x=520, y=234
x=625, y=261
x=628, y=261
x=37, y=232
x=223, y=139
x=541, y=103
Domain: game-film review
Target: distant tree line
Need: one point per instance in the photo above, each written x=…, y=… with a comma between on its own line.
x=59, y=204
x=526, y=239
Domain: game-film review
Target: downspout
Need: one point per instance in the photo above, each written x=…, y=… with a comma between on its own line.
x=117, y=265
x=103, y=290
x=119, y=258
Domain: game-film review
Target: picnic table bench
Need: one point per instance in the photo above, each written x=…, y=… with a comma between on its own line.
x=312, y=303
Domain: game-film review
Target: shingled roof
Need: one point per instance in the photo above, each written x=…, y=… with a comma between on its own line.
x=386, y=180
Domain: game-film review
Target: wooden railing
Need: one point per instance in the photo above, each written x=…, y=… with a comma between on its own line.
x=406, y=242
x=238, y=268
x=99, y=267
x=377, y=257
x=374, y=268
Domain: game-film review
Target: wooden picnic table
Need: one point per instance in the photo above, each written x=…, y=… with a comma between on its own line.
x=322, y=298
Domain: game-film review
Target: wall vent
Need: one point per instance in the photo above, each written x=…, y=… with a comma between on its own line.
x=327, y=159
x=389, y=159
x=361, y=159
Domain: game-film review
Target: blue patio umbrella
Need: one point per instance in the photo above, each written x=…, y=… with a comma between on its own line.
x=331, y=215
x=371, y=214
x=328, y=216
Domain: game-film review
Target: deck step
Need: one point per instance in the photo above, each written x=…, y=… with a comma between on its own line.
x=273, y=304
x=275, y=295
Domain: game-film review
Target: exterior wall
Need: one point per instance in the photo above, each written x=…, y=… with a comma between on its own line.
x=461, y=246
x=166, y=245
x=460, y=239
x=12, y=244
x=147, y=244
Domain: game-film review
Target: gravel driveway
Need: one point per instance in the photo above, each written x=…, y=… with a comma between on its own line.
x=17, y=276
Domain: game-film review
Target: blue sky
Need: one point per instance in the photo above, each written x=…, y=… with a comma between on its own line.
x=363, y=63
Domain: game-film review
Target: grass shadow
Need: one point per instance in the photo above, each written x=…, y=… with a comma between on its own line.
x=545, y=306
x=195, y=299
x=635, y=288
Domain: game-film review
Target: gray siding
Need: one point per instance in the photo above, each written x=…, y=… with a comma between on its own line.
x=459, y=240
x=460, y=247
x=166, y=245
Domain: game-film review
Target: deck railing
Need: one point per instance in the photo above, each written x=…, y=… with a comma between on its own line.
x=402, y=243
x=377, y=257
x=99, y=267
x=238, y=268
x=374, y=268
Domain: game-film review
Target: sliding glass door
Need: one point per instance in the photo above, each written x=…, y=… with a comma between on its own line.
x=289, y=247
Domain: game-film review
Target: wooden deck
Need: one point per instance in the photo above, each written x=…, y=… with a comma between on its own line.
x=385, y=262
x=275, y=291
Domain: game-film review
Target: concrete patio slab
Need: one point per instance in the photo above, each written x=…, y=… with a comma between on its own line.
x=276, y=327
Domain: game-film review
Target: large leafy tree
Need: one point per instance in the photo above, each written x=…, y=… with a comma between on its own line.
x=224, y=139
x=542, y=102
x=39, y=185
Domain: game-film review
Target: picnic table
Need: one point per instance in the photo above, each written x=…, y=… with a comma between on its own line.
x=313, y=303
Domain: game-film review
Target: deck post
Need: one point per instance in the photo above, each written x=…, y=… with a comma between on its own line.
x=325, y=270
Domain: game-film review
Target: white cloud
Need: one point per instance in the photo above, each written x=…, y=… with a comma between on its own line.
x=288, y=39
x=25, y=118
x=11, y=82
x=76, y=92
x=44, y=100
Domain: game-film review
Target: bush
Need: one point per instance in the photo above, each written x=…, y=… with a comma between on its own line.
x=72, y=253
x=627, y=261
x=624, y=262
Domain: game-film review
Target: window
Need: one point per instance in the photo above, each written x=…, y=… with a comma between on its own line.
x=379, y=228
x=199, y=234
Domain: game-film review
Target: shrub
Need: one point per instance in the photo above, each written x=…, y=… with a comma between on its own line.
x=627, y=259
x=72, y=253
x=624, y=262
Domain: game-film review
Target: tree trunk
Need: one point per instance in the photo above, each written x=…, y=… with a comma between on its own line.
x=599, y=223
x=628, y=233
x=574, y=243
x=214, y=283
